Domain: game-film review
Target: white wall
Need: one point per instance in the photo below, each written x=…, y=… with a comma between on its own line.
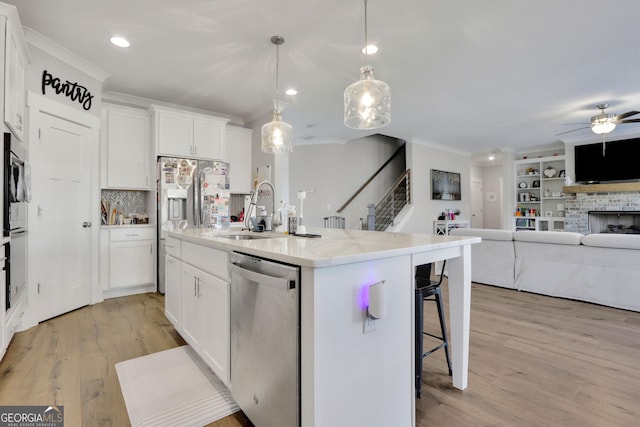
x=421, y=159
x=41, y=61
x=334, y=172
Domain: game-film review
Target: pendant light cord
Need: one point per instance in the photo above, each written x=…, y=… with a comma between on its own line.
x=277, y=73
x=366, y=43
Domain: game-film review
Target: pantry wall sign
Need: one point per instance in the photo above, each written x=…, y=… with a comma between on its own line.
x=73, y=91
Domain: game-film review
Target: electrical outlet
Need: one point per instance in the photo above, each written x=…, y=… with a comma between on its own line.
x=369, y=324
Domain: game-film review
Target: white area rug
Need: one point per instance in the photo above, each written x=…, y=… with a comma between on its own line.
x=173, y=388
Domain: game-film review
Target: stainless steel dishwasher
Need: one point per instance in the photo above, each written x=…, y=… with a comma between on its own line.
x=265, y=340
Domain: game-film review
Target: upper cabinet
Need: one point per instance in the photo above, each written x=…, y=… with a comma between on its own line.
x=15, y=64
x=126, y=148
x=183, y=134
x=238, y=154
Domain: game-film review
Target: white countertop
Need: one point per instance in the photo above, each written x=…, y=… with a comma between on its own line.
x=335, y=247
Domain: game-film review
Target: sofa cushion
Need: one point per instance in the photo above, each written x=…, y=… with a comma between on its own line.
x=556, y=237
x=484, y=233
x=608, y=240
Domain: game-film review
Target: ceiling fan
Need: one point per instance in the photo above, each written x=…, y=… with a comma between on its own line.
x=605, y=123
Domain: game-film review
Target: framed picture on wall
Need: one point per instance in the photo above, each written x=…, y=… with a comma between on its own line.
x=445, y=185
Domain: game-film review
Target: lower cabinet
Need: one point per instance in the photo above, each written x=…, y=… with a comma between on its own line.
x=173, y=291
x=127, y=260
x=197, y=303
x=3, y=285
x=131, y=263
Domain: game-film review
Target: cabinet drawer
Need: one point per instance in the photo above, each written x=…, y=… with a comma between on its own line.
x=132, y=233
x=213, y=261
x=173, y=247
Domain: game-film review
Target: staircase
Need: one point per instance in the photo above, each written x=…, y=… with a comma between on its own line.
x=393, y=202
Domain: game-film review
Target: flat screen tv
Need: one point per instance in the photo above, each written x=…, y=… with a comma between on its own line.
x=620, y=162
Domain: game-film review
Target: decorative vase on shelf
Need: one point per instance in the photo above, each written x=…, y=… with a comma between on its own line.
x=549, y=172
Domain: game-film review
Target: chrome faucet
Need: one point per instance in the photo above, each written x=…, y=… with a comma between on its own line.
x=275, y=221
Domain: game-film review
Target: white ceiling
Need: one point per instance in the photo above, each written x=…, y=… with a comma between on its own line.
x=474, y=76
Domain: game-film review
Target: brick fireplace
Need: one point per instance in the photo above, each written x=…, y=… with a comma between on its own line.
x=612, y=201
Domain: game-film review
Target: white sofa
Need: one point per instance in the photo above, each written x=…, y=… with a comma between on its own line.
x=599, y=268
x=493, y=260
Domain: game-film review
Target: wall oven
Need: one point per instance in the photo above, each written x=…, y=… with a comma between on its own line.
x=16, y=194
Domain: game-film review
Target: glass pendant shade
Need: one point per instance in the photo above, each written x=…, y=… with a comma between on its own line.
x=277, y=136
x=367, y=102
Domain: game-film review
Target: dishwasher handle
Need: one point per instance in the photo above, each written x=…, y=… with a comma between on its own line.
x=262, y=279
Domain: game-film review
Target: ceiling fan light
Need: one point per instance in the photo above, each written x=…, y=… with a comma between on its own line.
x=604, y=127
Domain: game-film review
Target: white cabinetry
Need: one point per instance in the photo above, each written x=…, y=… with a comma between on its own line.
x=127, y=260
x=15, y=64
x=198, y=301
x=538, y=194
x=206, y=317
x=173, y=283
x=238, y=155
x=126, y=148
x=3, y=284
x=183, y=134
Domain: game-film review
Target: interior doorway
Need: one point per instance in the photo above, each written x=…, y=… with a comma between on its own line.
x=477, y=203
x=63, y=213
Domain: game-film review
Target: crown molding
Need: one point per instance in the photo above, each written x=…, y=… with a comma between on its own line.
x=63, y=54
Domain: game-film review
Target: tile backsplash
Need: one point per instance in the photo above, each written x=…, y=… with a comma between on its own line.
x=130, y=203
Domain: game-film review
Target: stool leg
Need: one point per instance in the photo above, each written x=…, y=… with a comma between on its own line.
x=419, y=309
x=443, y=325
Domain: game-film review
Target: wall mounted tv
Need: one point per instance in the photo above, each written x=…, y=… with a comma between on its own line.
x=620, y=161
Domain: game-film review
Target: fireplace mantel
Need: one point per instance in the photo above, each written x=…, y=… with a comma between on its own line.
x=602, y=188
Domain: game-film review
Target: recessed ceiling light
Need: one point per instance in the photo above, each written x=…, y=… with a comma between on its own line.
x=370, y=50
x=492, y=157
x=120, y=41
x=291, y=92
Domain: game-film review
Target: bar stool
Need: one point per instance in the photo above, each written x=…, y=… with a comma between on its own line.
x=334, y=222
x=425, y=289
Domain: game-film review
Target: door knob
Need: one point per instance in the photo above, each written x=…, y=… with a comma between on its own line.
x=86, y=224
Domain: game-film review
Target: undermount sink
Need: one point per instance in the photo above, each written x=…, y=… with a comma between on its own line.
x=242, y=236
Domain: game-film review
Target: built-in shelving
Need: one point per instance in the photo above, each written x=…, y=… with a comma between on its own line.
x=539, y=194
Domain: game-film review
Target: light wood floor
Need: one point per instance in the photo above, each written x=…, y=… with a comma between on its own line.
x=534, y=361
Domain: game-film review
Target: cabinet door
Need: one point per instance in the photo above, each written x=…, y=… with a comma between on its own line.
x=128, y=148
x=174, y=134
x=238, y=155
x=14, y=82
x=213, y=299
x=190, y=306
x=173, y=291
x=130, y=263
x=208, y=138
x=3, y=284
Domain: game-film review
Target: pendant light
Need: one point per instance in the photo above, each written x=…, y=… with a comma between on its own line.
x=367, y=102
x=277, y=136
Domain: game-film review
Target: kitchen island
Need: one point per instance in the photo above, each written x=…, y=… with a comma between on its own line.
x=351, y=374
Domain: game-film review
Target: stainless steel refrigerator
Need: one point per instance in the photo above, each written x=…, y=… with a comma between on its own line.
x=191, y=194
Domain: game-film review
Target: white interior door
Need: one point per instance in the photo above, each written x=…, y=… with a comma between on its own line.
x=477, y=204
x=61, y=162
